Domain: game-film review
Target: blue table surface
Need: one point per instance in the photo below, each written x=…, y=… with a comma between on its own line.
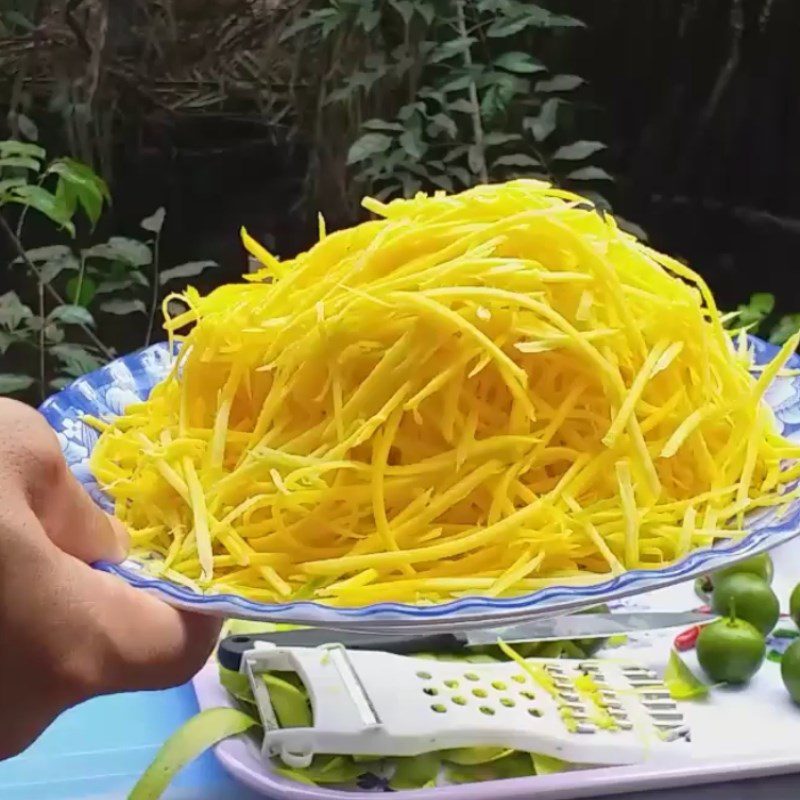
x=98, y=750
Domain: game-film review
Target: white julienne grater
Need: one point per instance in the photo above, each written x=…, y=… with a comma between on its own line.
x=381, y=704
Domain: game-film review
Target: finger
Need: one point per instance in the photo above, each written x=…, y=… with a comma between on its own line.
x=149, y=644
x=78, y=526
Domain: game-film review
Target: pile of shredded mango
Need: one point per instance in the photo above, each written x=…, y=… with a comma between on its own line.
x=483, y=393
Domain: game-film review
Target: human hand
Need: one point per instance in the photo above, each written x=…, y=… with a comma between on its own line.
x=68, y=632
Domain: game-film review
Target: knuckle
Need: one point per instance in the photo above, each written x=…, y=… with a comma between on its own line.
x=26, y=433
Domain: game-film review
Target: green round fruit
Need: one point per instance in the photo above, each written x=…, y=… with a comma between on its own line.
x=794, y=605
x=757, y=565
x=790, y=670
x=746, y=596
x=730, y=650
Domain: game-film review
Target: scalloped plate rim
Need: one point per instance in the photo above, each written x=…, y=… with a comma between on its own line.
x=136, y=373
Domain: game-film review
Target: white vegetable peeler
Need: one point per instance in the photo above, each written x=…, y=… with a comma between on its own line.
x=380, y=704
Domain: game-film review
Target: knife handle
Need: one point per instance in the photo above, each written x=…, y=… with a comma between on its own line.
x=232, y=648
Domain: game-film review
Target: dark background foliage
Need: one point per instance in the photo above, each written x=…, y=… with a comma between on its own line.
x=223, y=114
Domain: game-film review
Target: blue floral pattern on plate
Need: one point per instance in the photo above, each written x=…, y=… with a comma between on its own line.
x=110, y=389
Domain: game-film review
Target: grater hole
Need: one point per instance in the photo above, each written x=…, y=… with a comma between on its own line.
x=431, y=690
x=471, y=676
x=480, y=693
x=451, y=684
x=507, y=702
x=488, y=710
x=528, y=695
x=519, y=678
x=534, y=712
x=426, y=676
x=438, y=708
x=459, y=700
x=499, y=685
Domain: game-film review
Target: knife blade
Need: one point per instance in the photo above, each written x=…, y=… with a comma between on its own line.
x=577, y=626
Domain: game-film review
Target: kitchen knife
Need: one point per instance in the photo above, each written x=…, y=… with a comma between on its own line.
x=578, y=626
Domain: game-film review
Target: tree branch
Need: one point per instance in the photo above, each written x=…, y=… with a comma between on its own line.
x=48, y=288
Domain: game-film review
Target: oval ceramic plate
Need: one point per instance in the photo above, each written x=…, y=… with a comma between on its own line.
x=109, y=390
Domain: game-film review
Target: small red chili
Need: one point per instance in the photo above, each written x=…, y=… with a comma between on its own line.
x=687, y=639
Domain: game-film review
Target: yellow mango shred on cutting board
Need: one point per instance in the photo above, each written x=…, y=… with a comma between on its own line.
x=489, y=392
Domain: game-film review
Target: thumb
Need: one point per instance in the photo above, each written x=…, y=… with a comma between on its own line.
x=79, y=527
x=149, y=644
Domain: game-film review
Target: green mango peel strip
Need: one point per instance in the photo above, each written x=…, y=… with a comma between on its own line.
x=682, y=683
x=190, y=740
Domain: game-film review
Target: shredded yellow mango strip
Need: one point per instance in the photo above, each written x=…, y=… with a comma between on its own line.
x=482, y=393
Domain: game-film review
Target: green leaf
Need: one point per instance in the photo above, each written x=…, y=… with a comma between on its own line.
x=516, y=160
x=13, y=311
x=20, y=162
x=785, y=328
x=577, y=151
x=564, y=21
x=382, y=125
x=116, y=285
x=13, y=147
x=120, y=248
x=590, y=174
x=11, y=383
x=88, y=289
x=445, y=123
x=43, y=201
x=52, y=261
x=475, y=158
x=313, y=20
x=542, y=125
x=495, y=138
x=462, y=105
x=88, y=188
x=682, y=683
x=457, y=84
x=7, y=339
x=10, y=183
x=53, y=333
x=405, y=8
x=411, y=143
x=410, y=110
x=55, y=252
x=442, y=181
x=60, y=383
x=559, y=83
x=519, y=62
x=461, y=174
x=370, y=144
x=760, y=306
x=122, y=307
x=192, y=739
x=155, y=222
x=503, y=26
x=454, y=153
x=187, y=270
x=453, y=47
x=71, y=315
x=27, y=127
x=75, y=360
x=426, y=10
x=18, y=19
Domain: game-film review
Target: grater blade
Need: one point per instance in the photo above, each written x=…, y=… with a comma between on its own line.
x=592, y=712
